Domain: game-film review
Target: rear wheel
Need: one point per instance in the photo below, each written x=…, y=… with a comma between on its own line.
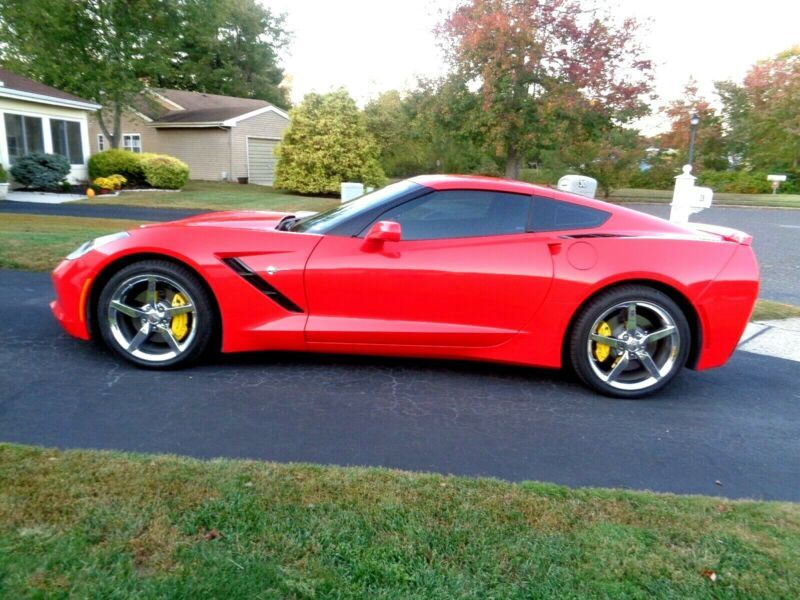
x=629, y=341
x=156, y=314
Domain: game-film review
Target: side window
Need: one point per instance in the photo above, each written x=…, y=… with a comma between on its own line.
x=556, y=215
x=460, y=214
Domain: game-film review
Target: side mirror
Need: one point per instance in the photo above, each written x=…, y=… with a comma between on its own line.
x=384, y=231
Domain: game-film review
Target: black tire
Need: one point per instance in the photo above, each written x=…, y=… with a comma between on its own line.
x=115, y=325
x=586, y=361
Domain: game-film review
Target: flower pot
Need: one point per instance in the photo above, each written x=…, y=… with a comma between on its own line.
x=3, y=190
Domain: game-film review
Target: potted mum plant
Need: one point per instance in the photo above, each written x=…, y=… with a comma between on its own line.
x=3, y=183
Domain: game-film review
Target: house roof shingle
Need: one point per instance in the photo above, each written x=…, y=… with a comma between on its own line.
x=198, y=107
x=12, y=81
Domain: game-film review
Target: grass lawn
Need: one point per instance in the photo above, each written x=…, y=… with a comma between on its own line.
x=38, y=242
x=769, y=309
x=665, y=197
x=91, y=524
x=217, y=195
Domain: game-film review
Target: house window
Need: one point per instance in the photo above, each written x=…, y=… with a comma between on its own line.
x=67, y=140
x=24, y=135
x=132, y=142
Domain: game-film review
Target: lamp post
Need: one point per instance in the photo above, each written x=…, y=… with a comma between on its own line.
x=695, y=121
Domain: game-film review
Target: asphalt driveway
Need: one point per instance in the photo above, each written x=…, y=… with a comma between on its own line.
x=737, y=425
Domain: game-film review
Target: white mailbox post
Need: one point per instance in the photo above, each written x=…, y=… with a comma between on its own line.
x=578, y=184
x=351, y=190
x=776, y=181
x=688, y=199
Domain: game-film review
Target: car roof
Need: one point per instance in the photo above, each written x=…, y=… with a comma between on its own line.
x=623, y=216
x=497, y=184
x=478, y=182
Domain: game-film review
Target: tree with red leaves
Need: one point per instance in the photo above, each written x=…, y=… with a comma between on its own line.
x=711, y=152
x=533, y=60
x=763, y=114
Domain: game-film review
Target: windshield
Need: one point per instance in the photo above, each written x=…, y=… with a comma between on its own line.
x=326, y=220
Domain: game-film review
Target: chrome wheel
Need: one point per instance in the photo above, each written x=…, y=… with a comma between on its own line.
x=633, y=345
x=152, y=317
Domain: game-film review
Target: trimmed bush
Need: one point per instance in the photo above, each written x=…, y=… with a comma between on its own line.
x=41, y=171
x=326, y=143
x=3, y=175
x=165, y=172
x=116, y=161
x=735, y=182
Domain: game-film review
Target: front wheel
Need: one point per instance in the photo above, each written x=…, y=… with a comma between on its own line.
x=629, y=342
x=156, y=314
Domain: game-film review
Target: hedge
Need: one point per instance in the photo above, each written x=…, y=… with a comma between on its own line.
x=167, y=172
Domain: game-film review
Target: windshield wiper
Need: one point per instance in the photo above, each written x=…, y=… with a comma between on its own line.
x=287, y=223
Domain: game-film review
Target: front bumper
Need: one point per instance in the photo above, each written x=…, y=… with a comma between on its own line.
x=72, y=280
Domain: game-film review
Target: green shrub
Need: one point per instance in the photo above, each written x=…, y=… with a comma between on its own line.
x=327, y=143
x=41, y=171
x=735, y=182
x=165, y=172
x=116, y=161
x=3, y=175
x=541, y=176
x=660, y=176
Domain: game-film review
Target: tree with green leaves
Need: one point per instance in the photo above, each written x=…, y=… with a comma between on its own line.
x=522, y=54
x=762, y=115
x=229, y=47
x=402, y=152
x=103, y=50
x=326, y=143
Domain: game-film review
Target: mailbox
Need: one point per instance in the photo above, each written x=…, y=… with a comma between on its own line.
x=351, y=190
x=578, y=184
x=688, y=199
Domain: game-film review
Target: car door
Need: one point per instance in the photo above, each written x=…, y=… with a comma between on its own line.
x=466, y=273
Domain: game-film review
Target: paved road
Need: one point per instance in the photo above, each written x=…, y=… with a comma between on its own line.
x=739, y=425
x=72, y=209
x=776, y=239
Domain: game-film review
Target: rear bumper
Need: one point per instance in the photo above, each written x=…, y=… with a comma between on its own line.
x=725, y=307
x=72, y=282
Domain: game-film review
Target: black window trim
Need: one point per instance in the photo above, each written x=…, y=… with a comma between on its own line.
x=401, y=201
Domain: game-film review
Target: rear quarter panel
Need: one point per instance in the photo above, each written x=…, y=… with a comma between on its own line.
x=585, y=266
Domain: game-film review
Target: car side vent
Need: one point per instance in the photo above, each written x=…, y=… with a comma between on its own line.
x=261, y=284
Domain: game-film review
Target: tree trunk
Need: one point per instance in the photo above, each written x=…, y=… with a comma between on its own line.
x=513, y=164
x=117, y=138
x=112, y=134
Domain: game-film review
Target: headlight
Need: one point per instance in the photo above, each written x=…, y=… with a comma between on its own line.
x=96, y=243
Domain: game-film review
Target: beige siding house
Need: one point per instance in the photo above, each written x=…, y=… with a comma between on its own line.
x=38, y=118
x=219, y=137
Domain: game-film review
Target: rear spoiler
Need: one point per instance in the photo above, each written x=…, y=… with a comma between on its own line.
x=726, y=233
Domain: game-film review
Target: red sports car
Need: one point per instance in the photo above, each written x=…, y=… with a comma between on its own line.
x=434, y=266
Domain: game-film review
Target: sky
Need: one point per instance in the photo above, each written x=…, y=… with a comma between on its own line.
x=371, y=46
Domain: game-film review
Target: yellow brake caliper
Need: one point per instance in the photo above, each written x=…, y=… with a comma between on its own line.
x=601, y=351
x=180, y=323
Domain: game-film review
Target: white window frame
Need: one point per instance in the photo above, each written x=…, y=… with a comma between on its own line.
x=137, y=149
x=101, y=142
x=83, y=133
x=47, y=139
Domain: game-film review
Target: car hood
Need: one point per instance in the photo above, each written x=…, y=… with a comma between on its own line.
x=231, y=219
